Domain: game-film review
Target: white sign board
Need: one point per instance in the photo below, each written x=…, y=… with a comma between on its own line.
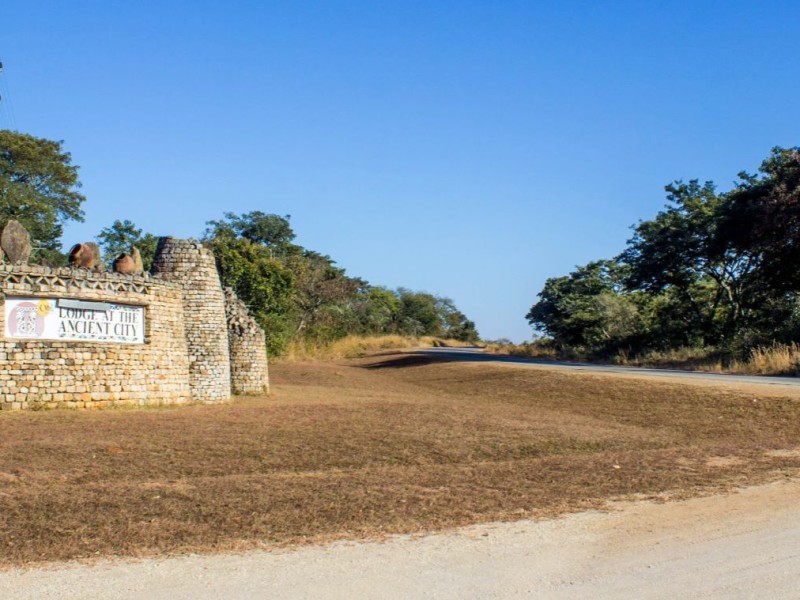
x=73, y=320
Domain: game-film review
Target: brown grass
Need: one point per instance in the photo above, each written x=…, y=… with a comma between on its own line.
x=686, y=358
x=525, y=350
x=374, y=446
x=773, y=360
x=354, y=346
x=779, y=359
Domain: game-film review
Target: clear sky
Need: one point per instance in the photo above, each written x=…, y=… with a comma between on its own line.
x=469, y=149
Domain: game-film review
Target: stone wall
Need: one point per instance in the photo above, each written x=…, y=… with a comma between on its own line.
x=199, y=343
x=189, y=264
x=248, y=348
x=86, y=374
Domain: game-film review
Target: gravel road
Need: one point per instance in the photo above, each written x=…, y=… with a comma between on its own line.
x=742, y=545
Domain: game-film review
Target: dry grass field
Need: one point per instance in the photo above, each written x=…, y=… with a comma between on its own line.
x=366, y=447
x=354, y=346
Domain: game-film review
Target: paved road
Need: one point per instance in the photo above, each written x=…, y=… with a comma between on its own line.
x=478, y=355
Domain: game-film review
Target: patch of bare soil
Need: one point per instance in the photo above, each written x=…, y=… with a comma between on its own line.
x=369, y=447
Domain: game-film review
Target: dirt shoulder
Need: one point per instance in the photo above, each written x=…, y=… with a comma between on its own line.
x=740, y=545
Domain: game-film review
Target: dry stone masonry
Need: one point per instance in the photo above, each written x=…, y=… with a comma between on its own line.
x=45, y=373
x=248, y=348
x=191, y=265
x=192, y=342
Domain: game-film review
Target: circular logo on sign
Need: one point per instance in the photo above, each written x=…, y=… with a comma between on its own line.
x=43, y=308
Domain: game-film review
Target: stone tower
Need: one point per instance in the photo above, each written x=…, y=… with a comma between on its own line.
x=248, y=348
x=191, y=265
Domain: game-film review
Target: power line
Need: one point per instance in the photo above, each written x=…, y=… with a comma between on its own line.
x=5, y=99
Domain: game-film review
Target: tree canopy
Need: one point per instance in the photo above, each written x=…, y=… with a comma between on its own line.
x=39, y=188
x=710, y=270
x=299, y=295
x=121, y=236
x=296, y=294
x=762, y=219
x=271, y=231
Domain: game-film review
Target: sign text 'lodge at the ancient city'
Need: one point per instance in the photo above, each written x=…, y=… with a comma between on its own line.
x=78, y=320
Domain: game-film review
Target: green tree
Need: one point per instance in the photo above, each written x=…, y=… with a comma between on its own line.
x=302, y=296
x=122, y=236
x=762, y=219
x=323, y=295
x=682, y=249
x=375, y=311
x=38, y=188
x=419, y=314
x=454, y=323
x=271, y=231
x=713, y=270
x=588, y=308
x=261, y=281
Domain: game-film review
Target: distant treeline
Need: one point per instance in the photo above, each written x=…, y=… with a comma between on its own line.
x=712, y=270
x=300, y=295
x=296, y=294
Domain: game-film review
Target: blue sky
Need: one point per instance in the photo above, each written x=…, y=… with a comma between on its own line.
x=470, y=149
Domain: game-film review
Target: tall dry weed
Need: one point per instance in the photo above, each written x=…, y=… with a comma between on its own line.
x=780, y=359
x=686, y=357
x=525, y=350
x=354, y=346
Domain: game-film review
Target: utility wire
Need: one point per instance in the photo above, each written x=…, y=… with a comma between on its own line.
x=5, y=99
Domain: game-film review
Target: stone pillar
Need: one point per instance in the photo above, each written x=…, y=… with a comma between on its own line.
x=191, y=265
x=248, y=348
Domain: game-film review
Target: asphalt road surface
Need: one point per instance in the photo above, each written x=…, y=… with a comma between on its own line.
x=477, y=355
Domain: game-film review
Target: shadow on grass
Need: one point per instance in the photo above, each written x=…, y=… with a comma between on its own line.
x=414, y=360
x=444, y=356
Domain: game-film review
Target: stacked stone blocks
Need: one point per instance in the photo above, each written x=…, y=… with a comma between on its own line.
x=248, y=348
x=192, y=266
x=52, y=374
x=199, y=342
